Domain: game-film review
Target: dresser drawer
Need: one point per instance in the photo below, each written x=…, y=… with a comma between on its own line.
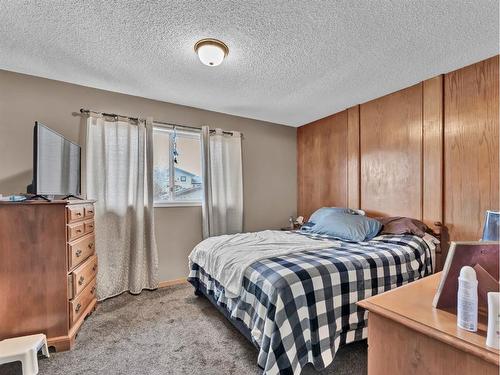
x=89, y=211
x=75, y=230
x=88, y=226
x=75, y=213
x=78, y=305
x=81, y=276
x=80, y=250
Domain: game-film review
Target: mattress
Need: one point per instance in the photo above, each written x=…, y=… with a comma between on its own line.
x=300, y=308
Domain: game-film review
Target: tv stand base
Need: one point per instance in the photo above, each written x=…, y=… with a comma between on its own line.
x=37, y=196
x=67, y=197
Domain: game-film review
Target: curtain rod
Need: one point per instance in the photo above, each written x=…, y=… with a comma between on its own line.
x=89, y=111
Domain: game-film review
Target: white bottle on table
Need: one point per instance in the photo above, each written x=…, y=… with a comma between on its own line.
x=493, y=336
x=467, y=299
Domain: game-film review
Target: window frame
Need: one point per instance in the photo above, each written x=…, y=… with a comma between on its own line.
x=171, y=166
x=177, y=204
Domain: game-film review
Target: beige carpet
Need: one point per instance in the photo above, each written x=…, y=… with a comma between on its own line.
x=168, y=331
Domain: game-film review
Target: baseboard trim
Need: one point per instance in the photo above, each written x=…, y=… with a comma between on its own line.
x=169, y=283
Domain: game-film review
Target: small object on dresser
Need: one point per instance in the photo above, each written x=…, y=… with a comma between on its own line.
x=491, y=227
x=467, y=299
x=12, y=198
x=493, y=336
x=467, y=253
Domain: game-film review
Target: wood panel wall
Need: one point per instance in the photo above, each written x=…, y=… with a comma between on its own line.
x=470, y=147
x=429, y=151
x=432, y=151
x=353, y=158
x=391, y=154
x=322, y=167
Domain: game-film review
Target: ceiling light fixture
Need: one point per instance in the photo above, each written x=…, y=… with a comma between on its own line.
x=211, y=51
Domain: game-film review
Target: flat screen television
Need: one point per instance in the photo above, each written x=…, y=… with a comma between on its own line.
x=56, y=164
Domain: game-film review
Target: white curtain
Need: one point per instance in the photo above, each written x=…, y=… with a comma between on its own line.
x=119, y=165
x=222, y=183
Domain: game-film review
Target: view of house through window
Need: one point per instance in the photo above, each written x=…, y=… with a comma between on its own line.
x=185, y=184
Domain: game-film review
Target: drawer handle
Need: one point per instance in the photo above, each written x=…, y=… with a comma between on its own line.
x=78, y=213
x=78, y=231
x=78, y=253
x=82, y=279
x=91, y=226
x=94, y=268
x=91, y=245
x=78, y=307
x=92, y=290
x=90, y=211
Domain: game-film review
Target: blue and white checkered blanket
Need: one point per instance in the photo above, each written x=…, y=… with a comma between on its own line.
x=301, y=307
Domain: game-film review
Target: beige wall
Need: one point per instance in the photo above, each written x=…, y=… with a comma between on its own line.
x=269, y=154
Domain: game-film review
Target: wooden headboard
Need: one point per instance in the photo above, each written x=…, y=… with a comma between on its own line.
x=429, y=152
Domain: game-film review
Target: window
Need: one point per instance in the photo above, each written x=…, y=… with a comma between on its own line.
x=184, y=186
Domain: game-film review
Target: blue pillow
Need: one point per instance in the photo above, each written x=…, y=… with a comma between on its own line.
x=319, y=214
x=356, y=228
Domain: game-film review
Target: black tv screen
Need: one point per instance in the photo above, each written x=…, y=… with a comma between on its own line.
x=56, y=163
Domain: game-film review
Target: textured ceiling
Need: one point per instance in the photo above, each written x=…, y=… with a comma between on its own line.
x=290, y=62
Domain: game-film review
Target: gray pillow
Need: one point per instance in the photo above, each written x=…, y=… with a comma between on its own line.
x=403, y=225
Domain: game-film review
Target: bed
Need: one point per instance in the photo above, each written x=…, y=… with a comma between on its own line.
x=299, y=306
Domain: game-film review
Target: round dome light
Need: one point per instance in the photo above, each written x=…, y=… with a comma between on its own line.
x=211, y=51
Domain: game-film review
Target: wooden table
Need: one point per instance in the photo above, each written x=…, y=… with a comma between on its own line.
x=406, y=335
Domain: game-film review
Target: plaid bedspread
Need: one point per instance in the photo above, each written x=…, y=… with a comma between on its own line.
x=300, y=308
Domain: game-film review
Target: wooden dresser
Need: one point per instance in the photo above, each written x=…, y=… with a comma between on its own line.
x=406, y=335
x=48, y=269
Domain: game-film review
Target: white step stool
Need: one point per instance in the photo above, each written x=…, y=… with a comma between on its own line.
x=24, y=349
